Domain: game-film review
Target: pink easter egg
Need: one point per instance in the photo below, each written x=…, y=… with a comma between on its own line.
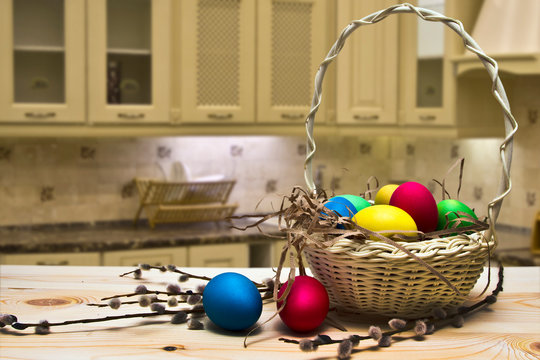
x=418, y=202
x=307, y=304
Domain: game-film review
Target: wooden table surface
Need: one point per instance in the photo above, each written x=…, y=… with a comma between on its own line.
x=509, y=329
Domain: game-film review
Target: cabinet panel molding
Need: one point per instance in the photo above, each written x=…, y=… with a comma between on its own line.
x=51, y=76
x=217, y=61
x=223, y=255
x=150, y=106
x=291, y=43
x=156, y=257
x=79, y=259
x=367, y=67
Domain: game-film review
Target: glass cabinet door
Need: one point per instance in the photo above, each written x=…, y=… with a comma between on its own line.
x=42, y=62
x=425, y=88
x=129, y=60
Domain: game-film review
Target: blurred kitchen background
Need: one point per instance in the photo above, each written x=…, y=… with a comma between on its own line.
x=97, y=93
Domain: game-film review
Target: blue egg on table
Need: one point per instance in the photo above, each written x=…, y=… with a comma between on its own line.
x=232, y=301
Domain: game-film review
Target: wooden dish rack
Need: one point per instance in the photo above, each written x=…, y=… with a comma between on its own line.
x=190, y=201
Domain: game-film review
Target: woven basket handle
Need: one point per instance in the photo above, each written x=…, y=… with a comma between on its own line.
x=490, y=65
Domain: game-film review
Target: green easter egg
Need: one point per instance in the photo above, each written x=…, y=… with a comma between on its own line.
x=358, y=201
x=450, y=207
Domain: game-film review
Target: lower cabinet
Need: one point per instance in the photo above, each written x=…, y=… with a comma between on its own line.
x=79, y=259
x=226, y=255
x=239, y=255
x=156, y=257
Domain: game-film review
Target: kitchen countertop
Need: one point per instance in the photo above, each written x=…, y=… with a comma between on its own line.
x=510, y=328
x=124, y=236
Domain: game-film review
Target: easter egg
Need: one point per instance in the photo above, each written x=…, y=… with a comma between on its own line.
x=418, y=202
x=348, y=204
x=232, y=301
x=385, y=217
x=448, y=209
x=306, y=306
x=358, y=202
x=384, y=194
x=340, y=207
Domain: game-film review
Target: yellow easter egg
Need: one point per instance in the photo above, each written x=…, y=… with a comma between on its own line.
x=384, y=194
x=385, y=217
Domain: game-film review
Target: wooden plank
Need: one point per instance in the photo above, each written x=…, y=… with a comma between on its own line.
x=511, y=329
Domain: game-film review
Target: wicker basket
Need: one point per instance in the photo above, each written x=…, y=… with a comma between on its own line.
x=377, y=278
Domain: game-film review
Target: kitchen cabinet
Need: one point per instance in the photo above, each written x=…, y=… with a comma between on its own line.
x=246, y=61
x=427, y=83
x=81, y=259
x=128, y=61
x=164, y=67
x=400, y=60
x=155, y=257
x=42, y=65
x=110, y=54
x=450, y=87
x=217, y=61
x=291, y=43
x=367, y=67
x=221, y=255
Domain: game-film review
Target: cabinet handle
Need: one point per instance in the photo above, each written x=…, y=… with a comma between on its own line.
x=220, y=116
x=127, y=116
x=366, y=117
x=292, y=116
x=36, y=115
x=427, y=117
x=53, y=263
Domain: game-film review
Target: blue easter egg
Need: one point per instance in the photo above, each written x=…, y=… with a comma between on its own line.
x=339, y=207
x=348, y=205
x=232, y=301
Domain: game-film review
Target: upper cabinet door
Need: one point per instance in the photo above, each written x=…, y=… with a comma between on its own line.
x=42, y=72
x=217, y=61
x=292, y=42
x=367, y=66
x=426, y=89
x=129, y=61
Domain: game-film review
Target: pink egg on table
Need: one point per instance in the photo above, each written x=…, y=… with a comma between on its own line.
x=418, y=202
x=307, y=304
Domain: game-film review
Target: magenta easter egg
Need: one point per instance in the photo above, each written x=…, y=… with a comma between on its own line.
x=307, y=304
x=418, y=202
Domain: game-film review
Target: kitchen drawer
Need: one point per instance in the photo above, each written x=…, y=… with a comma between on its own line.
x=223, y=255
x=156, y=257
x=80, y=259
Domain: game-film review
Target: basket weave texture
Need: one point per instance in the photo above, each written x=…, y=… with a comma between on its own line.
x=378, y=278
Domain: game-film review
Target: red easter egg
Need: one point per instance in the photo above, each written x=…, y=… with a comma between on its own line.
x=418, y=202
x=307, y=304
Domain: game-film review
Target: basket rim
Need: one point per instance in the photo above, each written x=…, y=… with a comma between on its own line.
x=459, y=245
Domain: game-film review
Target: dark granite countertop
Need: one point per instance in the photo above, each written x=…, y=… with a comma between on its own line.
x=124, y=236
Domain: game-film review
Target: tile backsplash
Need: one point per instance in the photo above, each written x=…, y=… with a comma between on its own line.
x=90, y=180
